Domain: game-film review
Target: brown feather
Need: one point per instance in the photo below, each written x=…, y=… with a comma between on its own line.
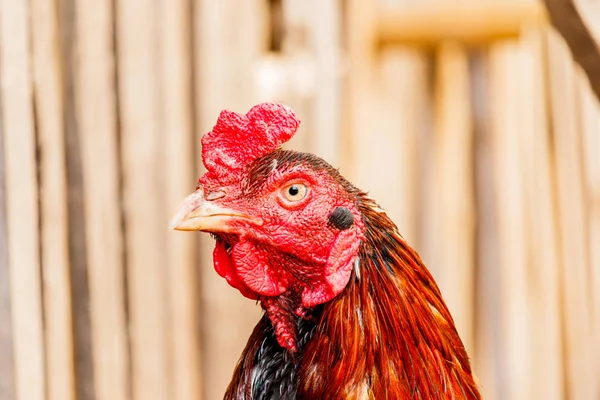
x=389, y=334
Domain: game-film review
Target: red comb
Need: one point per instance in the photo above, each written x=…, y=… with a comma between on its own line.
x=237, y=140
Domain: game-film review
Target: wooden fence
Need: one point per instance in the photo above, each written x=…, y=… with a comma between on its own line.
x=469, y=123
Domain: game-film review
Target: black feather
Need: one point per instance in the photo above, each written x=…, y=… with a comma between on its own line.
x=275, y=368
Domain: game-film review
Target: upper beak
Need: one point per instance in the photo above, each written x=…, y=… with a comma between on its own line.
x=198, y=214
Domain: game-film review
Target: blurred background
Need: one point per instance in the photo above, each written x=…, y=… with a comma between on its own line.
x=468, y=121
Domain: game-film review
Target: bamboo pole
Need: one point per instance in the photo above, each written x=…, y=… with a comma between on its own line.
x=326, y=38
x=545, y=340
x=567, y=152
x=7, y=375
x=590, y=129
x=454, y=198
x=21, y=201
x=392, y=132
x=399, y=71
x=97, y=119
x=177, y=137
x=510, y=213
x=295, y=61
x=488, y=349
x=377, y=123
x=381, y=120
x=360, y=40
x=576, y=20
x=221, y=88
x=143, y=197
x=53, y=193
x=78, y=254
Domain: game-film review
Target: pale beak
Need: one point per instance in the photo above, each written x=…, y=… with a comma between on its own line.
x=198, y=214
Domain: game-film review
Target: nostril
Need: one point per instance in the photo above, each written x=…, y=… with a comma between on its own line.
x=214, y=195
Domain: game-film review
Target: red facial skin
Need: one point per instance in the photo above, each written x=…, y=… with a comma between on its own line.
x=294, y=246
x=293, y=251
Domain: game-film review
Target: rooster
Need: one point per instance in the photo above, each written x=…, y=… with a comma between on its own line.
x=351, y=312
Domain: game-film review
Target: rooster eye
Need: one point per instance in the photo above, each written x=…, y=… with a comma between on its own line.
x=294, y=192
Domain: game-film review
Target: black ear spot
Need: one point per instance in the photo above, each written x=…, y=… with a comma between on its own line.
x=341, y=218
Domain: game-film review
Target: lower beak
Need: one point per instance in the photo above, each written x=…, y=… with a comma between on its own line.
x=198, y=214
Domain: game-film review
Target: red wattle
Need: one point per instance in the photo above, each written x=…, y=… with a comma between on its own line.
x=256, y=270
x=225, y=268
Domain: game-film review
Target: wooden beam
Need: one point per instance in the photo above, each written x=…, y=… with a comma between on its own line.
x=472, y=22
x=573, y=19
x=21, y=200
x=53, y=201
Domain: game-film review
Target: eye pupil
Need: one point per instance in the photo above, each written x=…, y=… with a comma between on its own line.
x=293, y=190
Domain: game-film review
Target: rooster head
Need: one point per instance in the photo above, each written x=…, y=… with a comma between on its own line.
x=285, y=223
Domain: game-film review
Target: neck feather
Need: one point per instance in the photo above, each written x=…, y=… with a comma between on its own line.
x=389, y=334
